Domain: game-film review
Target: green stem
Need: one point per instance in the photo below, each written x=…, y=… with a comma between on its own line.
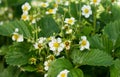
x=36, y=32
x=77, y=66
x=80, y=17
x=6, y=3
x=94, y=21
x=70, y=10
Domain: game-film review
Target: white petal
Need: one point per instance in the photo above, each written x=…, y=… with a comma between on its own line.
x=59, y=40
x=56, y=53
x=53, y=48
x=83, y=37
x=82, y=48
x=87, y=45
x=20, y=39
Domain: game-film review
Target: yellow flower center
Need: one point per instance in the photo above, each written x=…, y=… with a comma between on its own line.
x=44, y=5
x=51, y=57
x=39, y=45
x=63, y=75
x=86, y=11
x=15, y=36
x=56, y=44
x=58, y=1
x=55, y=5
x=24, y=17
x=67, y=43
x=50, y=10
x=25, y=8
x=48, y=64
x=84, y=42
x=31, y=18
x=94, y=1
x=70, y=21
x=32, y=60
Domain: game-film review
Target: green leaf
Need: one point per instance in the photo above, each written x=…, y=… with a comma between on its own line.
x=18, y=54
x=3, y=50
x=48, y=26
x=15, y=2
x=113, y=30
x=8, y=28
x=117, y=44
x=115, y=69
x=10, y=71
x=93, y=57
x=75, y=73
x=58, y=65
x=102, y=43
x=96, y=42
x=29, y=68
x=87, y=30
x=107, y=44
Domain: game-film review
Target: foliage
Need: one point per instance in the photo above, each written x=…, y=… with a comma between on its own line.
x=61, y=37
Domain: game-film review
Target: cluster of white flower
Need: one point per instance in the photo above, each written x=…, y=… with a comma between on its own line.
x=47, y=63
x=56, y=44
x=40, y=44
x=25, y=8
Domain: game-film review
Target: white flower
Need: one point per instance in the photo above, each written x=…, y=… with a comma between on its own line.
x=70, y=21
x=56, y=46
x=40, y=43
x=42, y=39
x=96, y=2
x=86, y=11
x=26, y=7
x=51, y=57
x=17, y=37
x=66, y=26
x=45, y=75
x=0, y=1
x=1, y=23
x=69, y=31
x=32, y=19
x=51, y=11
x=49, y=1
x=42, y=4
x=84, y=43
x=67, y=44
x=25, y=17
x=47, y=64
x=16, y=30
x=67, y=3
x=63, y=73
x=59, y=1
x=35, y=3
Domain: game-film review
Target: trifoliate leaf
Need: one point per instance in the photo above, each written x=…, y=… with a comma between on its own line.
x=18, y=54
x=113, y=30
x=93, y=57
